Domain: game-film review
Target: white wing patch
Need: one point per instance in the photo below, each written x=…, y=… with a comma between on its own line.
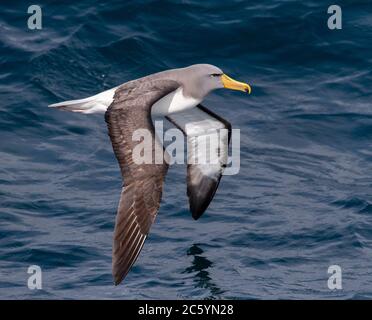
x=207, y=140
x=207, y=151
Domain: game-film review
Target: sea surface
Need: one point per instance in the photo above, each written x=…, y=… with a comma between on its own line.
x=301, y=202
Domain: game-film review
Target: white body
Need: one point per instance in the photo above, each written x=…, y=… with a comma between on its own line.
x=173, y=103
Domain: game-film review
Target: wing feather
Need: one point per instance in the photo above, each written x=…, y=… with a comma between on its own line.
x=143, y=183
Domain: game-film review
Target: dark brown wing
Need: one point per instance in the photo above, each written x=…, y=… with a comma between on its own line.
x=143, y=182
x=208, y=137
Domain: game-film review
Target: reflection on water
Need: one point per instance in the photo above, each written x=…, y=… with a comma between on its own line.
x=200, y=265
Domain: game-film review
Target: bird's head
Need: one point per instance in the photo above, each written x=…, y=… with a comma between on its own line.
x=200, y=79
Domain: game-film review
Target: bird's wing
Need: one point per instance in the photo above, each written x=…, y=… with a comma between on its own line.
x=142, y=188
x=208, y=137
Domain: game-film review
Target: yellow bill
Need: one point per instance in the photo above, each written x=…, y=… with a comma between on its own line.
x=235, y=85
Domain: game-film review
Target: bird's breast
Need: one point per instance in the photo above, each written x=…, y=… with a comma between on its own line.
x=173, y=102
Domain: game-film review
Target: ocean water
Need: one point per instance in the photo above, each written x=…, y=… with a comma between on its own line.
x=301, y=202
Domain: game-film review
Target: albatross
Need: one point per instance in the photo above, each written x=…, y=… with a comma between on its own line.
x=177, y=95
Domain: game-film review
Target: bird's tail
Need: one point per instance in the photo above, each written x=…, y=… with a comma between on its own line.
x=94, y=104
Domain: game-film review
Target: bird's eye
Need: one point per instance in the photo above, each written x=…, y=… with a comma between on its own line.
x=215, y=75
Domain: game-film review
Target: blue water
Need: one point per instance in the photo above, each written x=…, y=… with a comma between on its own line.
x=301, y=202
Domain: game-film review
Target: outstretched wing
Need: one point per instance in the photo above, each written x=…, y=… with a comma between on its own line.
x=143, y=182
x=208, y=137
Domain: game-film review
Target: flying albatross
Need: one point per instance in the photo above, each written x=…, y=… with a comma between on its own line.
x=175, y=94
